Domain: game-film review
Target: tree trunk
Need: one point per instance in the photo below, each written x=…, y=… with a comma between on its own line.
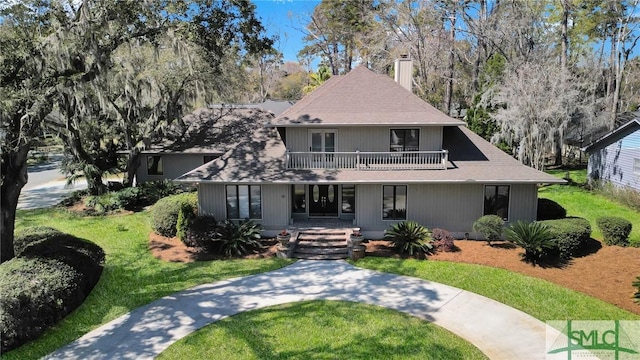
x=132, y=165
x=15, y=172
x=564, y=40
x=449, y=91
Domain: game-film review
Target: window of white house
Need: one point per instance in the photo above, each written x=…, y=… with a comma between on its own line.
x=348, y=199
x=496, y=200
x=394, y=202
x=208, y=158
x=404, y=140
x=636, y=166
x=299, y=196
x=244, y=202
x=154, y=165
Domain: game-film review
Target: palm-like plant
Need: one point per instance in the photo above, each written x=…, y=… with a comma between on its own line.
x=636, y=296
x=238, y=239
x=409, y=237
x=535, y=238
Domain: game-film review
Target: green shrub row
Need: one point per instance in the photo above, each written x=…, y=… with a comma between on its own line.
x=615, y=230
x=164, y=214
x=130, y=198
x=51, y=276
x=569, y=235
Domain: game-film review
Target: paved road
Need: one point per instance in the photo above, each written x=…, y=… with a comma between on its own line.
x=501, y=332
x=46, y=185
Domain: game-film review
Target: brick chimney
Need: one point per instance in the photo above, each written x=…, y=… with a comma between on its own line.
x=404, y=71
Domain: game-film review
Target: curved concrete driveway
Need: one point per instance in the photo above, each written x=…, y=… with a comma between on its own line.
x=499, y=331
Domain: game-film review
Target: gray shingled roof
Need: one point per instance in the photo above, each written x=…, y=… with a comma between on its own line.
x=211, y=131
x=472, y=159
x=362, y=97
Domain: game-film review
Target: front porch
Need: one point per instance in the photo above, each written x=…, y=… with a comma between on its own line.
x=321, y=239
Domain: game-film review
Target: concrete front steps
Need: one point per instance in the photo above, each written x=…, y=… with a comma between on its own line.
x=322, y=244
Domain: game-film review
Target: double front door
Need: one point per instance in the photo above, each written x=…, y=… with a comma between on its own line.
x=323, y=200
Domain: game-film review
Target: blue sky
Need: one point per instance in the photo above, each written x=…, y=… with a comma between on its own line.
x=286, y=18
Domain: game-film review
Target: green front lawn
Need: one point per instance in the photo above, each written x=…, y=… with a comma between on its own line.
x=322, y=330
x=536, y=297
x=582, y=203
x=131, y=276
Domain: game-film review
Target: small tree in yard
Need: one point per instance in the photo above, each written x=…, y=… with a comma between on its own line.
x=535, y=238
x=636, y=296
x=490, y=226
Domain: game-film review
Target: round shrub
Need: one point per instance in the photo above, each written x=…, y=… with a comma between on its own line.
x=569, y=235
x=31, y=235
x=490, y=226
x=615, y=230
x=164, y=214
x=51, y=277
x=550, y=210
x=443, y=240
x=185, y=218
x=203, y=231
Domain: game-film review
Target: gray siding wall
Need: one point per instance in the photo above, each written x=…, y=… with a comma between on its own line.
x=275, y=204
x=370, y=138
x=173, y=165
x=211, y=200
x=614, y=162
x=453, y=207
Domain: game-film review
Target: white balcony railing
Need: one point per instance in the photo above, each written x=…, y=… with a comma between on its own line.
x=362, y=160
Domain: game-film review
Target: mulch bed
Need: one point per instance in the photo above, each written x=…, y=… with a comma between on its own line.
x=604, y=272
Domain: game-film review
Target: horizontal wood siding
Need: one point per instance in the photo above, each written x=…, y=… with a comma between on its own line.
x=211, y=200
x=276, y=206
x=615, y=161
x=173, y=166
x=364, y=138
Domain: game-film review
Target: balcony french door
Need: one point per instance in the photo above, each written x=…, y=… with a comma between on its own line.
x=322, y=142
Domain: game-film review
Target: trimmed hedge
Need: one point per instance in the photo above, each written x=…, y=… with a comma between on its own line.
x=50, y=278
x=164, y=214
x=569, y=235
x=33, y=235
x=615, y=230
x=550, y=210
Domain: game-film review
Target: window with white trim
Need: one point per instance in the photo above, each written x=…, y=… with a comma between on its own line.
x=636, y=166
x=496, y=200
x=404, y=140
x=244, y=202
x=394, y=202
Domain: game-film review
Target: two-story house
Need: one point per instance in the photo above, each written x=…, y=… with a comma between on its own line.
x=363, y=148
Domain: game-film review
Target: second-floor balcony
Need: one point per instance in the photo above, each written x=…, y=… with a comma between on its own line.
x=364, y=160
